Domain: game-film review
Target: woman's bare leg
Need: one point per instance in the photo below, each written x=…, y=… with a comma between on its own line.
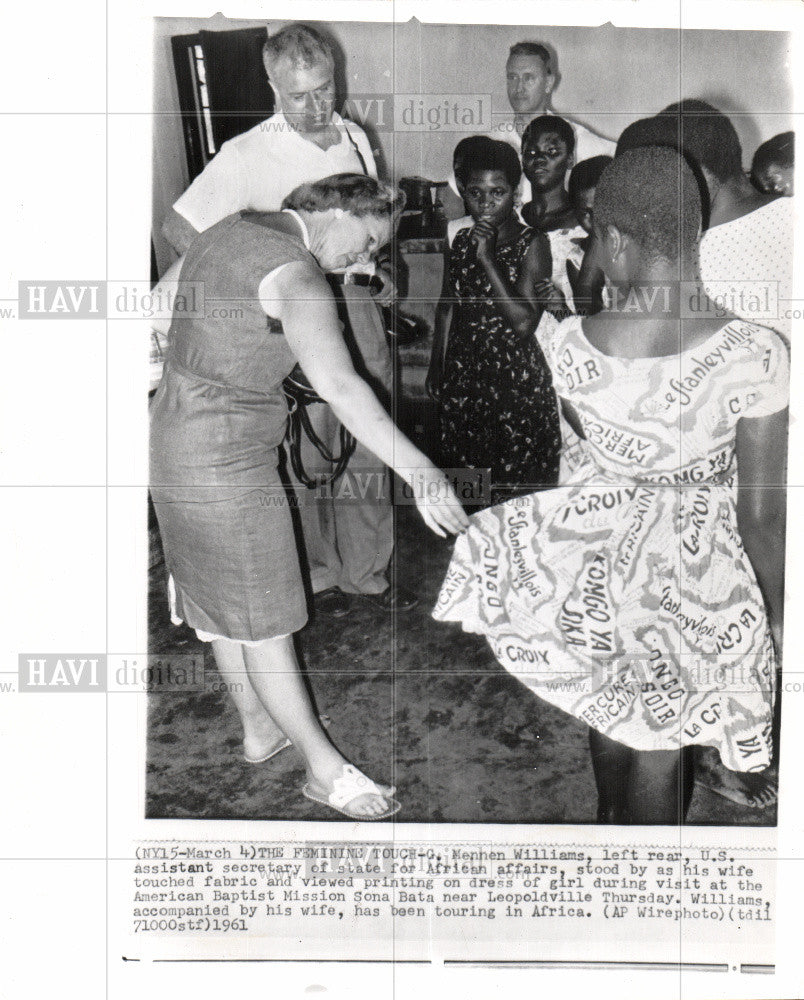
x=274, y=673
x=261, y=735
x=611, y=762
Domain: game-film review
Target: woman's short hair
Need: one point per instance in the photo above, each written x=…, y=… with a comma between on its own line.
x=586, y=174
x=491, y=155
x=651, y=195
x=778, y=151
x=550, y=123
x=299, y=44
x=357, y=194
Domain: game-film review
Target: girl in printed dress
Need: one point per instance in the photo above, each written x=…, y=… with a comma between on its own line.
x=645, y=597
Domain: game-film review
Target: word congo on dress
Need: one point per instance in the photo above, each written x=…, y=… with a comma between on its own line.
x=626, y=598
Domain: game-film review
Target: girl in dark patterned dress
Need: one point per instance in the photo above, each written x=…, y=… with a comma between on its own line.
x=498, y=407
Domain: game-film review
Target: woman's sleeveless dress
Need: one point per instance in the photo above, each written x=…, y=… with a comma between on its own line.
x=217, y=421
x=626, y=598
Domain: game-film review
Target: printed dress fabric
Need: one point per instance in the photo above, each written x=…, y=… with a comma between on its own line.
x=498, y=406
x=626, y=597
x=566, y=244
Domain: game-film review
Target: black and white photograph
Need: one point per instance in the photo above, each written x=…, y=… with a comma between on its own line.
x=400, y=459
x=511, y=540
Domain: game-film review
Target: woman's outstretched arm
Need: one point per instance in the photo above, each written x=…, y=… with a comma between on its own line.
x=762, y=506
x=302, y=300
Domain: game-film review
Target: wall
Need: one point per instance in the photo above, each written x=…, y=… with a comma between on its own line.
x=608, y=77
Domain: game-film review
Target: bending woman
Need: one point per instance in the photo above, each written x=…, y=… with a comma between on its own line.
x=645, y=598
x=217, y=420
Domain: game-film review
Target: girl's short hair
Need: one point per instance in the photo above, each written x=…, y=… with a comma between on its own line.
x=357, y=194
x=652, y=195
x=550, y=123
x=490, y=155
x=778, y=151
x=585, y=175
x=705, y=134
x=467, y=149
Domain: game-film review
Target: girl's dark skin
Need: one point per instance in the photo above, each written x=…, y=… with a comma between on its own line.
x=489, y=196
x=587, y=281
x=546, y=161
x=654, y=786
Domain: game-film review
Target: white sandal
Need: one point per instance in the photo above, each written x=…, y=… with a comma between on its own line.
x=267, y=756
x=350, y=784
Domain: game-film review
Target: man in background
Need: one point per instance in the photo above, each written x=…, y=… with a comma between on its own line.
x=530, y=81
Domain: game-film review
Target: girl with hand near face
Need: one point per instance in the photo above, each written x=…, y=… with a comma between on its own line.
x=498, y=407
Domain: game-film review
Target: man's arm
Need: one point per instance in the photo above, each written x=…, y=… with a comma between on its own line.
x=441, y=330
x=218, y=191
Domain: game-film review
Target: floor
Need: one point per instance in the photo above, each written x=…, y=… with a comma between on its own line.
x=412, y=701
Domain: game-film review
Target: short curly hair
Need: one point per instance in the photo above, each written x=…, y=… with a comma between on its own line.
x=491, y=155
x=585, y=175
x=467, y=148
x=778, y=151
x=659, y=130
x=665, y=130
x=651, y=195
x=708, y=136
x=357, y=194
x=549, y=123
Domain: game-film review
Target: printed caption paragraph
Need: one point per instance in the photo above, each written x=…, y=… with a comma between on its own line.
x=419, y=891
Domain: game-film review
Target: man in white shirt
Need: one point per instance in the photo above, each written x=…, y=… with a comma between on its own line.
x=348, y=544
x=530, y=82
x=257, y=169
